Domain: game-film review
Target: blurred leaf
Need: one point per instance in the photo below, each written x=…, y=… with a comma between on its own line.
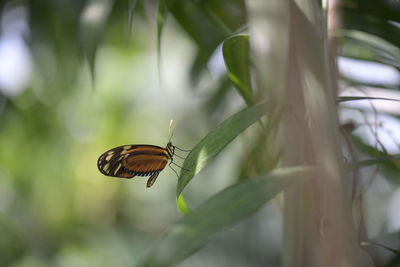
x=385, y=10
x=208, y=23
x=199, y=63
x=389, y=168
x=354, y=19
x=352, y=98
x=12, y=243
x=214, y=105
x=388, y=53
x=131, y=10
x=53, y=43
x=210, y=146
x=213, y=17
x=236, y=56
x=380, y=245
x=369, y=162
x=200, y=28
x=162, y=12
x=222, y=210
x=228, y=16
x=357, y=83
x=93, y=21
x=395, y=261
x=161, y=17
x=355, y=49
x=263, y=154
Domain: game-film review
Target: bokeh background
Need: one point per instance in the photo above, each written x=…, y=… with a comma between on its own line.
x=56, y=208
x=80, y=77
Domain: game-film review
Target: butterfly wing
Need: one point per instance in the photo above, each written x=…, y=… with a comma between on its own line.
x=133, y=160
x=145, y=164
x=110, y=162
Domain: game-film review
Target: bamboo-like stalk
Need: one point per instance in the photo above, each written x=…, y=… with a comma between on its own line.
x=289, y=45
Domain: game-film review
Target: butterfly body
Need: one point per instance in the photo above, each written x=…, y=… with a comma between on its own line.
x=136, y=160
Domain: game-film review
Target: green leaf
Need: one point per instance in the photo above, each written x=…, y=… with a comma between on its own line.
x=222, y=210
x=216, y=140
x=236, y=55
x=93, y=21
x=352, y=98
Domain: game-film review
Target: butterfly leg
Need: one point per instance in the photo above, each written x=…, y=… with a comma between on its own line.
x=152, y=179
x=180, y=167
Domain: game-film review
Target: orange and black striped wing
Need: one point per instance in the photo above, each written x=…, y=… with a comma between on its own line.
x=133, y=160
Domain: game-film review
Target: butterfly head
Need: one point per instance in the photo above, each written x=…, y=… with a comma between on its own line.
x=170, y=150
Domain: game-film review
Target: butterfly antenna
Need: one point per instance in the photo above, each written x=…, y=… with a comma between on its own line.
x=171, y=129
x=176, y=155
x=183, y=150
x=171, y=133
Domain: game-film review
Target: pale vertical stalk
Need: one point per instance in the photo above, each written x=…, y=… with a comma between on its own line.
x=289, y=43
x=268, y=29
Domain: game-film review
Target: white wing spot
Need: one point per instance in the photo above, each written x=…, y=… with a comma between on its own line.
x=117, y=169
x=106, y=167
x=109, y=156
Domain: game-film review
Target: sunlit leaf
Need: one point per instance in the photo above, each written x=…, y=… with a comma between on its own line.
x=182, y=205
x=236, y=56
x=222, y=210
x=216, y=140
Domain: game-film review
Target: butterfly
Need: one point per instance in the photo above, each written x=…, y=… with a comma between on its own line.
x=136, y=160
